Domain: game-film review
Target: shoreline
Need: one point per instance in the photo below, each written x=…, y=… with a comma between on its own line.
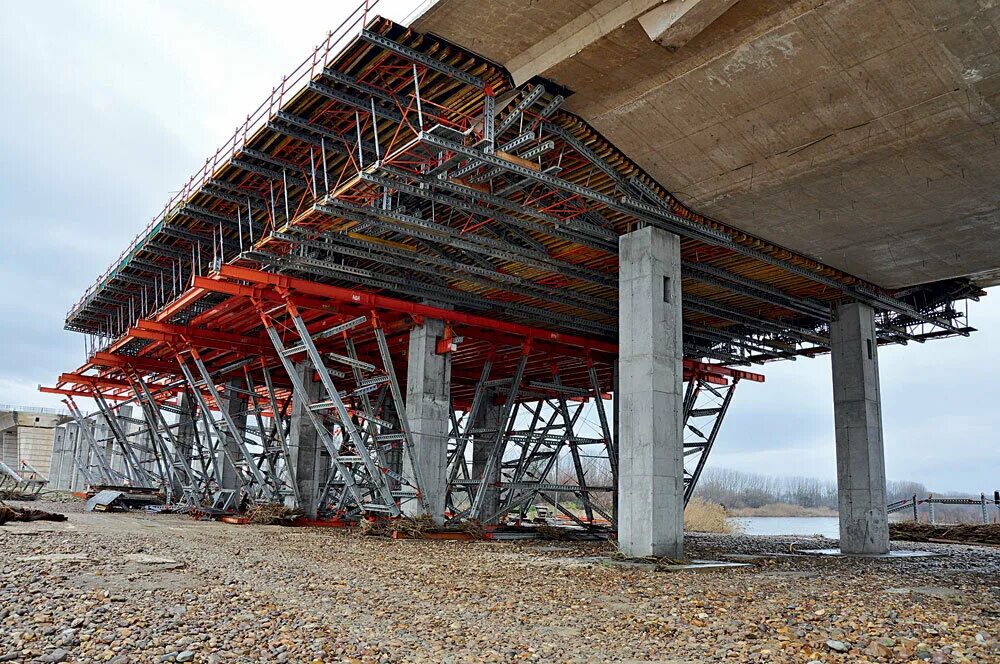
x=781, y=516
x=782, y=510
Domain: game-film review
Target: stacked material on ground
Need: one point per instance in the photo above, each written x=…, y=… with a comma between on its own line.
x=112, y=499
x=954, y=534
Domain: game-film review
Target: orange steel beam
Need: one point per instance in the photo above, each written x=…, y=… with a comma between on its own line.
x=80, y=393
x=103, y=359
x=373, y=301
x=111, y=383
x=188, y=298
x=157, y=331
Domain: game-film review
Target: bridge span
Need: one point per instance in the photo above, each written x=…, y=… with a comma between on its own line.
x=402, y=286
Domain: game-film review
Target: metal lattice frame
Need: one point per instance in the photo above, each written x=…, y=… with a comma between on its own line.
x=358, y=438
x=409, y=171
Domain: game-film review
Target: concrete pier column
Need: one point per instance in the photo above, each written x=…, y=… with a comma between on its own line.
x=55, y=464
x=84, y=457
x=428, y=406
x=184, y=434
x=75, y=437
x=234, y=401
x=304, y=446
x=394, y=456
x=489, y=419
x=857, y=406
x=651, y=395
x=116, y=456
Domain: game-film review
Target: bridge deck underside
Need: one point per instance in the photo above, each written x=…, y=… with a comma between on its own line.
x=860, y=133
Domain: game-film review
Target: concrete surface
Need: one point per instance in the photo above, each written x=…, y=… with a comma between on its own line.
x=838, y=553
x=144, y=588
x=304, y=445
x=26, y=435
x=860, y=132
x=650, y=364
x=428, y=404
x=857, y=410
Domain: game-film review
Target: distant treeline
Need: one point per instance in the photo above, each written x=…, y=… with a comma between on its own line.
x=736, y=489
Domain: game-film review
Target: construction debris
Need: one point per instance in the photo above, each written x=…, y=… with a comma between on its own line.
x=420, y=527
x=14, y=514
x=411, y=527
x=983, y=534
x=122, y=498
x=274, y=514
x=22, y=483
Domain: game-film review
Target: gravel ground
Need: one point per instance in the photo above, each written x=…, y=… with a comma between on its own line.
x=145, y=588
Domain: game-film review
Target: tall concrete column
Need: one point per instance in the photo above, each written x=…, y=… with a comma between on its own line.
x=489, y=420
x=73, y=435
x=234, y=401
x=651, y=395
x=394, y=456
x=857, y=407
x=116, y=455
x=304, y=446
x=55, y=471
x=184, y=435
x=84, y=456
x=428, y=406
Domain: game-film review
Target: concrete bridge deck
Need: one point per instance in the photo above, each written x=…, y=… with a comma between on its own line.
x=862, y=133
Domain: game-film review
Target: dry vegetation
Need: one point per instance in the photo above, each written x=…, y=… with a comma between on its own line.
x=701, y=516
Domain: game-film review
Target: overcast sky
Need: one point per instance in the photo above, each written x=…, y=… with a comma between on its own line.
x=108, y=107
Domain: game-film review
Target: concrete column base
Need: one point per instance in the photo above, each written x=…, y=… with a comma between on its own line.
x=490, y=414
x=234, y=402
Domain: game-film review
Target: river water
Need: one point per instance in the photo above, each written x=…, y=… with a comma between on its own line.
x=828, y=526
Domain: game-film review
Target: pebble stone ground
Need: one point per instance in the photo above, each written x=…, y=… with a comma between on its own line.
x=162, y=588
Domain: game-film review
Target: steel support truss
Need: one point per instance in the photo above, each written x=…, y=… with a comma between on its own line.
x=304, y=406
x=359, y=417
x=523, y=443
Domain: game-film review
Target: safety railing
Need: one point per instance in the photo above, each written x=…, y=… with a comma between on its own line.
x=912, y=504
x=7, y=408
x=289, y=86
